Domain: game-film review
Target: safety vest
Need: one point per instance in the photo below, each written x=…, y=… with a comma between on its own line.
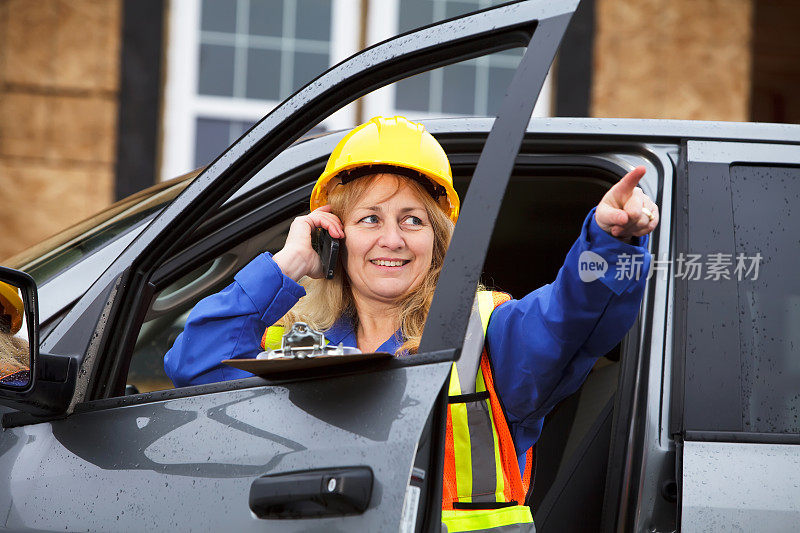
x=482, y=489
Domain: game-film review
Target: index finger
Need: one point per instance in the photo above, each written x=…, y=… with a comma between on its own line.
x=624, y=187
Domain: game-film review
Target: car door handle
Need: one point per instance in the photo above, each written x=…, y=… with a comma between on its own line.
x=312, y=493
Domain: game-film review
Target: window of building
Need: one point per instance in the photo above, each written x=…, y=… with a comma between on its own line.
x=262, y=49
x=471, y=88
x=230, y=62
x=475, y=87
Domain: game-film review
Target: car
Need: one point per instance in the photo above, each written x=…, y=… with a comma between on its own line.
x=690, y=423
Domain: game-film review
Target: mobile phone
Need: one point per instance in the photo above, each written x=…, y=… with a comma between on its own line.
x=328, y=249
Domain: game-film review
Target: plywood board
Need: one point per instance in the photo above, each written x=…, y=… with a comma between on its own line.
x=681, y=59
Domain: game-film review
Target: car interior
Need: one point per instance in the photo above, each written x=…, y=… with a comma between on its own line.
x=542, y=214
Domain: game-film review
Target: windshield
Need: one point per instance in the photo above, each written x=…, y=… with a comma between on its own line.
x=59, y=252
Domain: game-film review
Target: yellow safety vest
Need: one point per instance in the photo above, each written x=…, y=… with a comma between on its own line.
x=482, y=488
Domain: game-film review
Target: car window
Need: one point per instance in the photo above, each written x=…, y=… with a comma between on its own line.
x=765, y=265
x=742, y=353
x=62, y=251
x=541, y=216
x=170, y=307
x=543, y=211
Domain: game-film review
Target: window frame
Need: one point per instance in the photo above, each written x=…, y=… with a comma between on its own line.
x=265, y=206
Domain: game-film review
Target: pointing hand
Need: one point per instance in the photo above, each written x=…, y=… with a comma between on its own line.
x=626, y=211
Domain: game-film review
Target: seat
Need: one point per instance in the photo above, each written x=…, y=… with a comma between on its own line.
x=572, y=457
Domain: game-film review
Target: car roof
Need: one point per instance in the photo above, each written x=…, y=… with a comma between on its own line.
x=652, y=129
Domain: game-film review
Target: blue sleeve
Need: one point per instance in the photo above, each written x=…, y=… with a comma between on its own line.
x=543, y=346
x=230, y=324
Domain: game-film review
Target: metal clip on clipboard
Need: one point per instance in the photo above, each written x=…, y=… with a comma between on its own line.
x=303, y=342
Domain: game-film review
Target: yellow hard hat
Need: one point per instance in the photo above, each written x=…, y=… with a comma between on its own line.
x=394, y=145
x=11, y=309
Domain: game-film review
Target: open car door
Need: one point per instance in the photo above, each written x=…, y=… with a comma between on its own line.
x=333, y=449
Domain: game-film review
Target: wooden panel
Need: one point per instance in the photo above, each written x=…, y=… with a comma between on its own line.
x=40, y=199
x=83, y=129
x=59, y=70
x=67, y=128
x=3, y=41
x=87, y=44
x=686, y=59
x=63, y=44
x=28, y=41
x=23, y=125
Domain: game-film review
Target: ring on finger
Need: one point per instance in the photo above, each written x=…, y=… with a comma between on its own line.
x=649, y=213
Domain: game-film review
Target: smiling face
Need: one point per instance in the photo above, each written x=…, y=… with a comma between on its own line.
x=388, y=240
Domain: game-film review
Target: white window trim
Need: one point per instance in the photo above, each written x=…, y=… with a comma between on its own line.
x=183, y=105
x=382, y=24
x=180, y=83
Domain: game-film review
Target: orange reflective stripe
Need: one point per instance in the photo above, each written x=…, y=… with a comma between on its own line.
x=529, y=465
x=449, y=489
x=500, y=297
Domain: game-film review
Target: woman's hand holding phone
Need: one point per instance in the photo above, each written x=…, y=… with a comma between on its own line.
x=298, y=258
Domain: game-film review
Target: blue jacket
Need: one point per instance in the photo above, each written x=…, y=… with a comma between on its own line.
x=542, y=347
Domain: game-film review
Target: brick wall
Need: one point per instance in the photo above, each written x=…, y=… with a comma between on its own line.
x=59, y=72
x=686, y=59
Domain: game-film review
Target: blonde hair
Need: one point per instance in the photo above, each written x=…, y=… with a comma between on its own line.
x=327, y=300
x=14, y=354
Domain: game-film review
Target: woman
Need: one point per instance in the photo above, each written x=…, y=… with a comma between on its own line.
x=387, y=192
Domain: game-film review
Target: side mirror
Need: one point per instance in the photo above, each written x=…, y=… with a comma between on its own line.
x=16, y=329
x=37, y=383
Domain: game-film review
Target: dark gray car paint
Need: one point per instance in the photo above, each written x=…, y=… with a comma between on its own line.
x=728, y=474
x=710, y=343
x=740, y=487
x=188, y=463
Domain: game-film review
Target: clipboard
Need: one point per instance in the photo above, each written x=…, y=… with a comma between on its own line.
x=273, y=367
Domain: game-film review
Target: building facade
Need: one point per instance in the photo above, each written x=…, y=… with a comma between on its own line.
x=101, y=98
